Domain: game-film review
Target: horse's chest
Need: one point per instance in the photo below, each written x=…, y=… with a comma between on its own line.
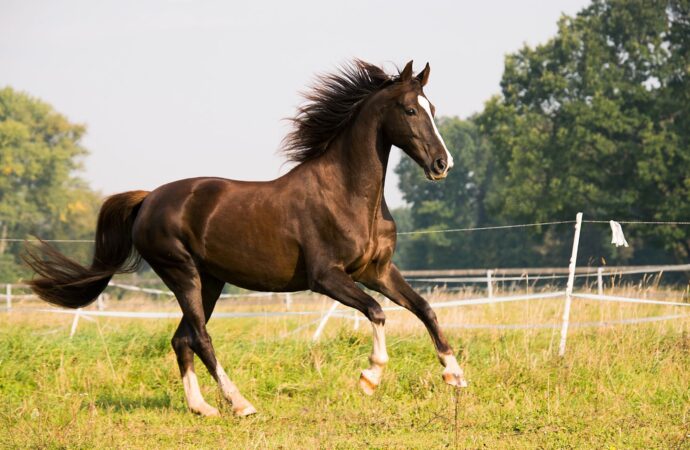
x=376, y=247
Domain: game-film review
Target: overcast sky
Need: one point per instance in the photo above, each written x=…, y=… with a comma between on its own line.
x=176, y=89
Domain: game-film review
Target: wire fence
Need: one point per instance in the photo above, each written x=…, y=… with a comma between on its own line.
x=425, y=231
x=490, y=278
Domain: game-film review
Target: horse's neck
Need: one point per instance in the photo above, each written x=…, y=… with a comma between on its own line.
x=359, y=158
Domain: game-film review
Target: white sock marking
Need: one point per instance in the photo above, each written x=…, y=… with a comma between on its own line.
x=379, y=355
x=451, y=364
x=226, y=385
x=453, y=368
x=232, y=394
x=424, y=103
x=192, y=393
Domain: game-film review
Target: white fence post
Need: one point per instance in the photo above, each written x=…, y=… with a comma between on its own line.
x=356, y=320
x=288, y=300
x=324, y=319
x=569, y=286
x=75, y=322
x=489, y=284
x=99, y=302
x=600, y=281
x=8, y=296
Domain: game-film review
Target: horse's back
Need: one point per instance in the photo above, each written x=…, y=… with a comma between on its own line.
x=238, y=231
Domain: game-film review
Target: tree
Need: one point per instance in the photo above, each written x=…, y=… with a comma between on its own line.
x=40, y=151
x=456, y=202
x=594, y=120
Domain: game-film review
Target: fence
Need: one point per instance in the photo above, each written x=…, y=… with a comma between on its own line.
x=489, y=277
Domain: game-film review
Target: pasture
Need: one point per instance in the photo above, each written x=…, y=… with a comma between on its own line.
x=115, y=384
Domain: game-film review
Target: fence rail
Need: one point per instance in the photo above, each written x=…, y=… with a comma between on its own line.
x=545, y=271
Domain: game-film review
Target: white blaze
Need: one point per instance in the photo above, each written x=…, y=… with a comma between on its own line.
x=424, y=103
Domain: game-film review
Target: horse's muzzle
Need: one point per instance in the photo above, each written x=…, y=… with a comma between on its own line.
x=438, y=170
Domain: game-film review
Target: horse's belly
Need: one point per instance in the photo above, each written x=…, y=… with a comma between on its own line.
x=269, y=279
x=258, y=264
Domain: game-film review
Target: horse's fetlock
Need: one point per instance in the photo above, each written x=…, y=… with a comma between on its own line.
x=376, y=315
x=378, y=360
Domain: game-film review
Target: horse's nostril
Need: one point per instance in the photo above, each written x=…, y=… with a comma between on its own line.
x=440, y=165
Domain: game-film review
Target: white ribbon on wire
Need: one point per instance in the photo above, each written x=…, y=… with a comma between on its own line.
x=617, y=238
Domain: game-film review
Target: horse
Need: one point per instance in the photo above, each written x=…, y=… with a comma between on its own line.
x=324, y=226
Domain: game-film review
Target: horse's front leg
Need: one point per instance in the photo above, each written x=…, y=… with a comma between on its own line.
x=370, y=378
x=391, y=283
x=338, y=285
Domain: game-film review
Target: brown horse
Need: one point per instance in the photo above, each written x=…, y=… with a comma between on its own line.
x=323, y=226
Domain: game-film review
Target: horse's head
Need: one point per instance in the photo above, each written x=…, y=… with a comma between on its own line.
x=409, y=124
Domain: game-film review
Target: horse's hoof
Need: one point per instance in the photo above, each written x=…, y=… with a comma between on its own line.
x=206, y=410
x=455, y=379
x=247, y=410
x=366, y=384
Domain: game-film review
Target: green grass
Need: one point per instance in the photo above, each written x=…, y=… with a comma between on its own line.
x=618, y=387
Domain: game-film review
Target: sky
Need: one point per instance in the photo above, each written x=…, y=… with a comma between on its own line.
x=171, y=89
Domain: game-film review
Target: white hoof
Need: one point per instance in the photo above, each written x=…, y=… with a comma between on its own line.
x=367, y=383
x=206, y=410
x=247, y=410
x=455, y=379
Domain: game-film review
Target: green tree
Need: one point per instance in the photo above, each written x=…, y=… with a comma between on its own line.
x=457, y=202
x=594, y=120
x=40, y=195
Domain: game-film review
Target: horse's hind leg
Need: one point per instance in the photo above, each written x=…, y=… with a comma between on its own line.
x=211, y=289
x=185, y=359
x=197, y=296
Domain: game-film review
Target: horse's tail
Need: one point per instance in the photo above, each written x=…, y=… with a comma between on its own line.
x=64, y=282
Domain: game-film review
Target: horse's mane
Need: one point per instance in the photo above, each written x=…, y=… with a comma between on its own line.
x=330, y=106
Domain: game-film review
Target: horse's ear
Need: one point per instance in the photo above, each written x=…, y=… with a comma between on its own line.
x=423, y=76
x=406, y=74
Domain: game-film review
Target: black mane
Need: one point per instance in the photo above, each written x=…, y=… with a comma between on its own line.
x=330, y=106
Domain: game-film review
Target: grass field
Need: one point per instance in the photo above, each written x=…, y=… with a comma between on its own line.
x=116, y=384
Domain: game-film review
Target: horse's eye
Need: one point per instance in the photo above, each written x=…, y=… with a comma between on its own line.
x=410, y=112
